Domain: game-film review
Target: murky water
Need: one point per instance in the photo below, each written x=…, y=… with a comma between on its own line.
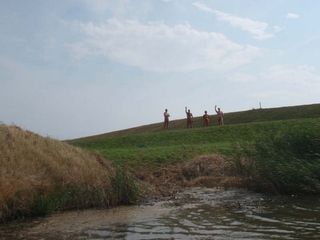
x=197, y=213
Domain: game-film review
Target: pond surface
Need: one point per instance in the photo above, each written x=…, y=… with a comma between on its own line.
x=197, y=213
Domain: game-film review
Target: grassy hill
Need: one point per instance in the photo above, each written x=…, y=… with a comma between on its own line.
x=165, y=147
x=255, y=115
x=153, y=145
x=279, y=148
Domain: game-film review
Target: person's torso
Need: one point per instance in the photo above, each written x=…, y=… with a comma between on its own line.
x=206, y=116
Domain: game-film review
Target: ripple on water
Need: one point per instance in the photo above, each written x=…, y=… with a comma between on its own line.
x=194, y=214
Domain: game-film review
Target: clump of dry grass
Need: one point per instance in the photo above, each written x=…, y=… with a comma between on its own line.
x=208, y=165
x=39, y=173
x=212, y=171
x=203, y=171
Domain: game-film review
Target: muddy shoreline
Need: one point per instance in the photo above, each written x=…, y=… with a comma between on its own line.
x=211, y=171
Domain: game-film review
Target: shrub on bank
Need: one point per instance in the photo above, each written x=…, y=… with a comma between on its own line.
x=124, y=187
x=284, y=162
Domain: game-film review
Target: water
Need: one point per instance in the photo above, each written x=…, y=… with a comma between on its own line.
x=197, y=213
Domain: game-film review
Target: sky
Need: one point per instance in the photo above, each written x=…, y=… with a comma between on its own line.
x=75, y=68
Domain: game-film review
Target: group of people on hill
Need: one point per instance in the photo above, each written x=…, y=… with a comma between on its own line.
x=205, y=117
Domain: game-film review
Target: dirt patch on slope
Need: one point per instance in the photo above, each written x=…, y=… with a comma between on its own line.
x=203, y=171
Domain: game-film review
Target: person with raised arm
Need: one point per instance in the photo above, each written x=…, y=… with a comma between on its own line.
x=189, y=118
x=219, y=115
x=166, y=119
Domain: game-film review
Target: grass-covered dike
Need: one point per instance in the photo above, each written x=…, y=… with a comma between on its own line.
x=278, y=155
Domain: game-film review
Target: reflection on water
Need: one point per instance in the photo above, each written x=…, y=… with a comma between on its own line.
x=194, y=214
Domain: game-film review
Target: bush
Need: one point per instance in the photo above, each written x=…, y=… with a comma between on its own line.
x=125, y=190
x=288, y=162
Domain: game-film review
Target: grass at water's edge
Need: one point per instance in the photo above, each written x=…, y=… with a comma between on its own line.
x=268, y=151
x=286, y=163
x=40, y=175
x=122, y=191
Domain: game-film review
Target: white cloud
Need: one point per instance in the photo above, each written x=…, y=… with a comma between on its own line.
x=258, y=30
x=159, y=47
x=280, y=85
x=292, y=16
x=280, y=75
x=203, y=7
x=277, y=29
x=302, y=75
x=298, y=81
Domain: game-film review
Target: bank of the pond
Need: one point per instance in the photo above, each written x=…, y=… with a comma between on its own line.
x=203, y=171
x=287, y=162
x=276, y=156
x=40, y=175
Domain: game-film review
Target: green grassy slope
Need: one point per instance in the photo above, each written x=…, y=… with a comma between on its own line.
x=257, y=115
x=158, y=148
x=278, y=148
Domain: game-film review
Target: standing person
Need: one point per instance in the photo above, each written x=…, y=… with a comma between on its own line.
x=189, y=118
x=219, y=115
x=166, y=119
x=206, y=119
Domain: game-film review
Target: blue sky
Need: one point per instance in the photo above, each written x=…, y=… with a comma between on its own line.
x=79, y=67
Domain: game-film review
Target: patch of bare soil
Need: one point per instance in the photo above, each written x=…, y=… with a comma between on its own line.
x=203, y=171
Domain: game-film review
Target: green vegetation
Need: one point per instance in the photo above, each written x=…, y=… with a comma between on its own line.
x=279, y=155
x=255, y=115
x=40, y=175
x=155, y=149
x=124, y=187
x=287, y=162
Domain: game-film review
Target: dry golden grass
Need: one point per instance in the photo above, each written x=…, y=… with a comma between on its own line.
x=33, y=165
x=203, y=171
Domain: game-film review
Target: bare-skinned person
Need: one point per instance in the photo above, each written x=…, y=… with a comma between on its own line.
x=219, y=115
x=206, y=119
x=166, y=116
x=189, y=118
